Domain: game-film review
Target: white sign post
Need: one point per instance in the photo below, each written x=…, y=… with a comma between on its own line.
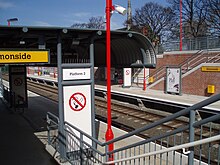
x=77, y=104
x=126, y=77
x=18, y=85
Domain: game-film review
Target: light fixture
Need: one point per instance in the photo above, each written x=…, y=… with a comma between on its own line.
x=121, y=10
x=11, y=20
x=25, y=29
x=75, y=42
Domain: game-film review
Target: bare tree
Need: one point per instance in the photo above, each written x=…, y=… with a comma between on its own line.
x=194, y=15
x=79, y=25
x=213, y=17
x=155, y=20
x=94, y=23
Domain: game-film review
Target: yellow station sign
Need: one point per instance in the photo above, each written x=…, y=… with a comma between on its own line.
x=211, y=68
x=24, y=56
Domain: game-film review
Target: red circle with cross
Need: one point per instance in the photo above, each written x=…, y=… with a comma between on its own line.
x=77, y=101
x=127, y=72
x=18, y=81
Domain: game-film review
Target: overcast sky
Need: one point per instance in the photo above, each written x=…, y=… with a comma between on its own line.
x=62, y=13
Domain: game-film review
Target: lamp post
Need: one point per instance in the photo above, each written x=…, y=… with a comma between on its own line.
x=109, y=133
x=109, y=8
x=11, y=20
x=181, y=25
x=145, y=85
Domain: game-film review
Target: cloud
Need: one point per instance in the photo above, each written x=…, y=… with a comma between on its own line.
x=6, y=5
x=41, y=23
x=81, y=14
x=80, y=17
x=116, y=25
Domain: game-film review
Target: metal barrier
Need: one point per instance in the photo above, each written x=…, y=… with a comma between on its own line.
x=52, y=130
x=164, y=146
x=191, y=44
x=13, y=100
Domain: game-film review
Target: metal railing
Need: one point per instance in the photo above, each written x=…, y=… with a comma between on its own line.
x=202, y=56
x=199, y=43
x=163, y=146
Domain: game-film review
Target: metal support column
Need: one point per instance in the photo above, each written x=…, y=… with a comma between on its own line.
x=1, y=83
x=61, y=136
x=91, y=49
x=191, y=137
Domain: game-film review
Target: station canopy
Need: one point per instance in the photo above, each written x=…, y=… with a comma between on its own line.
x=128, y=49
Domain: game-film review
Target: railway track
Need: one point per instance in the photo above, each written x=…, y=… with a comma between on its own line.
x=129, y=117
x=43, y=89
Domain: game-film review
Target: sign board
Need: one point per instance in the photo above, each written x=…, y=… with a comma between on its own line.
x=18, y=85
x=24, y=56
x=1, y=83
x=127, y=77
x=77, y=110
x=77, y=101
x=173, y=80
x=76, y=74
x=210, y=69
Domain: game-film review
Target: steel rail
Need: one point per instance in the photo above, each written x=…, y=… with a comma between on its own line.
x=182, y=146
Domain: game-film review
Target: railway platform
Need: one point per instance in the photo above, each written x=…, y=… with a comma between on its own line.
x=19, y=140
x=25, y=133
x=184, y=99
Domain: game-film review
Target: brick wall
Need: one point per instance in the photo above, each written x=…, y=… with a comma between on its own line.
x=196, y=83
x=171, y=59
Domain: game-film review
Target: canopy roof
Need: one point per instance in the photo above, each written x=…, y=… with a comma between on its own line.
x=128, y=49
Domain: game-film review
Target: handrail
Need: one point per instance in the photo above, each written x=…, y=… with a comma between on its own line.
x=105, y=153
x=213, y=57
x=182, y=146
x=162, y=68
x=52, y=115
x=74, y=135
x=168, y=118
x=192, y=57
x=85, y=134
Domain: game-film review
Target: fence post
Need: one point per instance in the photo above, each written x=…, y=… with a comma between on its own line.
x=191, y=137
x=106, y=153
x=81, y=149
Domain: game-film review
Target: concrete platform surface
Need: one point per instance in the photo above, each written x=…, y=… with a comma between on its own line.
x=18, y=143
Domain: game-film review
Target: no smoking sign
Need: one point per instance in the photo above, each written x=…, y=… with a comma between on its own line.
x=18, y=81
x=77, y=101
x=127, y=72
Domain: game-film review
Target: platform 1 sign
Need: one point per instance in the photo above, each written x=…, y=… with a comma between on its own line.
x=76, y=74
x=24, y=56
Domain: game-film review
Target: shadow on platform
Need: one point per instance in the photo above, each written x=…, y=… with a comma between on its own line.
x=18, y=141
